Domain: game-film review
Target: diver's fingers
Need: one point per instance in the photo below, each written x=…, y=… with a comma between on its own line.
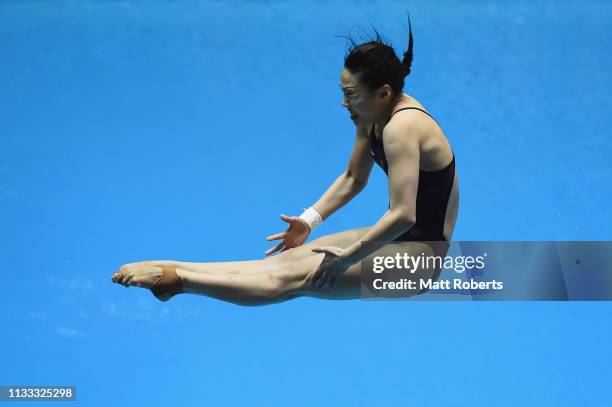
x=277, y=236
x=275, y=248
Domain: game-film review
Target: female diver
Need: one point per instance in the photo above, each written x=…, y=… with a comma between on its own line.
x=392, y=129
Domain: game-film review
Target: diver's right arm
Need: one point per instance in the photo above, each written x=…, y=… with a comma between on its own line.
x=343, y=189
x=352, y=181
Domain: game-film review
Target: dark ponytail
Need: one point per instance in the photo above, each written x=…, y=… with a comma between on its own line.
x=407, y=61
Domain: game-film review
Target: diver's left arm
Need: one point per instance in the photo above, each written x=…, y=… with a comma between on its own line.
x=402, y=149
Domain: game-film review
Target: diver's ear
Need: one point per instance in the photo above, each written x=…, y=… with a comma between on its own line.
x=385, y=91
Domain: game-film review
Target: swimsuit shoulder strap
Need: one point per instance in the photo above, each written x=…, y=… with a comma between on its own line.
x=373, y=134
x=416, y=108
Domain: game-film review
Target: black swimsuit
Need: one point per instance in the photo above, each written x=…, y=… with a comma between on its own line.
x=433, y=195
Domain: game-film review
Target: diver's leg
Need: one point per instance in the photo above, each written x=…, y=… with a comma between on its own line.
x=341, y=239
x=267, y=282
x=289, y=278
x=231, y=267
x=249, y=288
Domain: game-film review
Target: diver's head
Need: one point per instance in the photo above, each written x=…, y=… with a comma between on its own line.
x=372, y=78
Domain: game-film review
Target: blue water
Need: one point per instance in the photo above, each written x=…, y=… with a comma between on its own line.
x=118, y=129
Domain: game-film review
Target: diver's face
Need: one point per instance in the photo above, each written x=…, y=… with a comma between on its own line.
x=356, y=98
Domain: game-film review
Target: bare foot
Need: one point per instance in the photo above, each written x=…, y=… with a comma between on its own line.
x=163, y=281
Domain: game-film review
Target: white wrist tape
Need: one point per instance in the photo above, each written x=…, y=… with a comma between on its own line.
x=311, y=217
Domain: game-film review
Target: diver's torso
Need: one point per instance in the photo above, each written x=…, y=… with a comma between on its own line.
x=436, y=157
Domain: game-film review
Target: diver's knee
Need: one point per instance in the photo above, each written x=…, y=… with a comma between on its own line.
x=275, y=289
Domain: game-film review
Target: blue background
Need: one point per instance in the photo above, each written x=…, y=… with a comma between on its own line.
x=142, y=130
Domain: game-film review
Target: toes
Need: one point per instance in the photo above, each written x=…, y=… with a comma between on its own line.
x=119, y=275
x=122, y=278
x=141, y=276
x=127, y=281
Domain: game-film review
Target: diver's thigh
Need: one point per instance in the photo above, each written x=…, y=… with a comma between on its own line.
x=348, y=285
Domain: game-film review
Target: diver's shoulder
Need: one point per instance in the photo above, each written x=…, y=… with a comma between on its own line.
x=414, y=116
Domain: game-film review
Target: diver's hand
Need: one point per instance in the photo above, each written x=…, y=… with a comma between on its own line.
x=295, y=235
x=333, y=265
